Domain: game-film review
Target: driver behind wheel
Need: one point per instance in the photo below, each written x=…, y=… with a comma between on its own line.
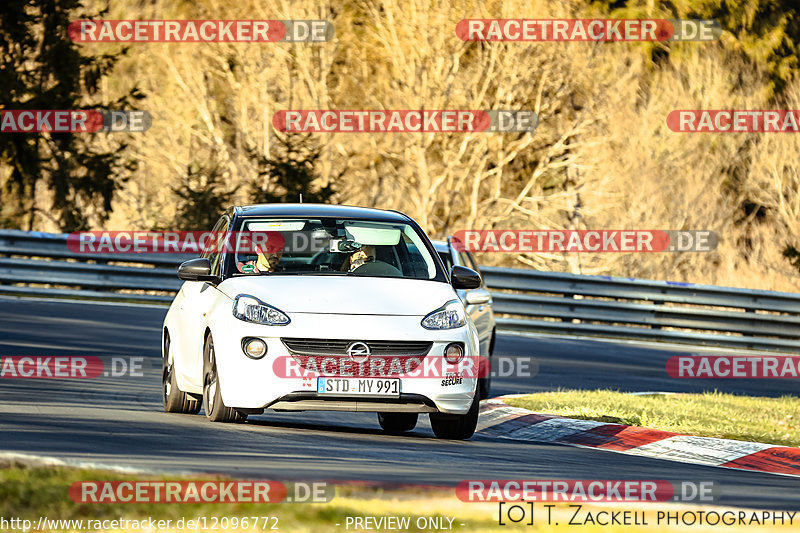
x=266, y=261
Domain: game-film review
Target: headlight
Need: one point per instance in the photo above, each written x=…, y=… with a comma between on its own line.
x=450, y=316
x=251, y=309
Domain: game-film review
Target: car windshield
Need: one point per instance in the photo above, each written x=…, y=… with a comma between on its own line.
x=327, y=246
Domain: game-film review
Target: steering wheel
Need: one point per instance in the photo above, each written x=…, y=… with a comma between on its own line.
x=378, y=268
x=320, y=257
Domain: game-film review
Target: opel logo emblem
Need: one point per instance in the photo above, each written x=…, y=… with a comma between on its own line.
x=358, y=351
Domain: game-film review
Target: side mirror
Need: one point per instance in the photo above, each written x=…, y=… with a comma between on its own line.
x=464, y=278
x=196, y=270
x=478, y=297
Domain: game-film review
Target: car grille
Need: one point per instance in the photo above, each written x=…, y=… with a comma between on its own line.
x=386, y=357
x=336, y=347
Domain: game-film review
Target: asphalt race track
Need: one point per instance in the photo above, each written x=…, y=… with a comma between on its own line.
x=119, y=421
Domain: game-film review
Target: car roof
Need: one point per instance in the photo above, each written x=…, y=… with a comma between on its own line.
x=321, y=210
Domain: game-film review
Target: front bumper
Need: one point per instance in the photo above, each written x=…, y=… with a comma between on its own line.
x=311, y=401
x=253, y=384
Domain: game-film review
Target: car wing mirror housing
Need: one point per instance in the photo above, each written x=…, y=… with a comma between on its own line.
x=478, y=297
x=196, y=270
x=464, y=278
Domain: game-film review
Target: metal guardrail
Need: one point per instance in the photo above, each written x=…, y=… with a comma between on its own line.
x=40, y=264
x=573, y=304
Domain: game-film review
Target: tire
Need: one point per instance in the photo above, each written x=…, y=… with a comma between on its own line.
x=396, y=423
x=485, y=383
x=456, y=427
x=215, y=408
x=174, y=399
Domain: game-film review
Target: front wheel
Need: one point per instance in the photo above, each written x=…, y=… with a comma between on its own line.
x=216, y=410
x=397, y=422
x=174, y=399
x=457, y=427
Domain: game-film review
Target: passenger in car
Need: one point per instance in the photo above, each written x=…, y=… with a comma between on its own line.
x=365, y=255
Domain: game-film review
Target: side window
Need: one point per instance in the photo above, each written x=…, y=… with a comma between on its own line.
x=214, y=256
x=472, y=263
x=447, y=260
x=222, y=221
x=468, y=261
x=463, y=258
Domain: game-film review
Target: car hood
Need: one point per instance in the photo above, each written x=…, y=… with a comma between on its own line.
x=344, y=295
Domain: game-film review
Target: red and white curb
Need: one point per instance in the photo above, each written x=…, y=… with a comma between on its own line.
x=498, y=419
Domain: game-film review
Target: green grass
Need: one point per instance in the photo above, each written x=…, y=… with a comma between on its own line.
x=712, y=414
x=28, y=492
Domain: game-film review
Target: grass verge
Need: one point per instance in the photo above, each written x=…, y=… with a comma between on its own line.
x=711, y=414
x=29, y=492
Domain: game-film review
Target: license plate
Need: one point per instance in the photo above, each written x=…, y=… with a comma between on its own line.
x=359, y=386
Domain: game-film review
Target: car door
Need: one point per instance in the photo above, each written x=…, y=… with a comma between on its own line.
x=198, y=296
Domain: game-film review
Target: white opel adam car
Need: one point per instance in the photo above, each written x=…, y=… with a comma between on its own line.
x=310, y=327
